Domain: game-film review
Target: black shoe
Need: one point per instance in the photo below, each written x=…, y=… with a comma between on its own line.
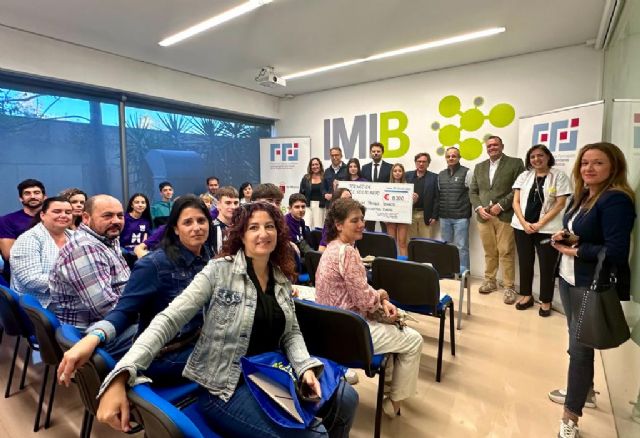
x=544, y=313
x=524, y=306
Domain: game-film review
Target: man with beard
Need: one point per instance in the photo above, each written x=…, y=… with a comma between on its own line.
x=31, y=193
x=90, y=272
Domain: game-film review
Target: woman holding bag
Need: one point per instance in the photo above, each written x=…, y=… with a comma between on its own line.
x=600, y=216
x=246, y=296
x=341, y=281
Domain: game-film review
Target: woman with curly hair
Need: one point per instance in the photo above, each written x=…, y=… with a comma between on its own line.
x=246, y=294
x=77, y=199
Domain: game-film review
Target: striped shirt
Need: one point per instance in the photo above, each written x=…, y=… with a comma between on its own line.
x=32, y=257
x=88, y=278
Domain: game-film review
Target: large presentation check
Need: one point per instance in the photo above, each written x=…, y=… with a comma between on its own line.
x=385, y=202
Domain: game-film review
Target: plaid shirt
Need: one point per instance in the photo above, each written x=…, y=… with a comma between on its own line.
x=32, y=257
x=88, y=278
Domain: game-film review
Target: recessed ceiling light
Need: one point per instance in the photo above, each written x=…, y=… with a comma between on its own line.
x=411, y=49
x=214, y=21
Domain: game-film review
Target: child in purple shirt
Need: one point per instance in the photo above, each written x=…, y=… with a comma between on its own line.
x=137, y=222
x=295, y=222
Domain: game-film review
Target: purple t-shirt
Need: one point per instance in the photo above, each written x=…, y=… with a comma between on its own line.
x=14, y=224
x=296, y=228
x=133, y=231
x=154, y=239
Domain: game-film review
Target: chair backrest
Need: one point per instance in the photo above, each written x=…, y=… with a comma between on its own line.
x=315, y=236
x=12, y=317
x=443, y=256
x=88, y=377
x=311, y=262
x=161, y=419
x=377, y=244
x=408, y=283
x=45, y=324
x=336, y=334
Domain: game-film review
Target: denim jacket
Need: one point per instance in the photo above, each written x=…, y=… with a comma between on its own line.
x=230, y=296
x=155, y=281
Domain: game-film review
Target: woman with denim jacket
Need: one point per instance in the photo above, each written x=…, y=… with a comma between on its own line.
x=600, y=216
x=246, y=293
x=154, y=282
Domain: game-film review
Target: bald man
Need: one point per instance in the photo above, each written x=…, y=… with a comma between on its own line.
x=90, y=273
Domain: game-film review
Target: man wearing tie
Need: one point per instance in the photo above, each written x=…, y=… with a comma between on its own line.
x=376, y=171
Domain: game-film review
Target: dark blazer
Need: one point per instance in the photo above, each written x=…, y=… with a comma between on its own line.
x=384, y=171
x=431, y=195
x=607, y=225
x=500, y=191
x=305, y=189
x=330, y=175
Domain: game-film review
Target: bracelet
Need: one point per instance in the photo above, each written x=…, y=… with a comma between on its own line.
x=100, y=334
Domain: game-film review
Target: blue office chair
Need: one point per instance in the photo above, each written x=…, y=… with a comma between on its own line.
x=415, y=287
x=16, y=323
x=445, y=258
x=45, y=324
x=343, y=337
x=161, y=419
x=89, y=377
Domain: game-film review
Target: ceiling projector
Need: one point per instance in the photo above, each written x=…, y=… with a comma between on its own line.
x=267, y=77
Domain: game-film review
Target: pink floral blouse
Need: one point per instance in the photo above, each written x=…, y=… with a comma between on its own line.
x=349, y=289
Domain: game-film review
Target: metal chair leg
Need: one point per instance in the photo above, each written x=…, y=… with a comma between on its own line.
x=13, y=367
x=467, y=281
x=461, y=299
x=43, y=388
x=47, y=421
x=27, y=360
x=440, y=345
x=452, y=331
x=380, y=396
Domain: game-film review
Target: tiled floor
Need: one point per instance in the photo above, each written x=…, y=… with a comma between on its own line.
x=506, y=361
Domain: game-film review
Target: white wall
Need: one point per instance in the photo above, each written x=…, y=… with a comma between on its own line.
x=531, y=83
x=41, y=56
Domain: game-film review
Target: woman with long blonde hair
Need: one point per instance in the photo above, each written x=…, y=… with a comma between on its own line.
x=399, y=232
x=599, y=217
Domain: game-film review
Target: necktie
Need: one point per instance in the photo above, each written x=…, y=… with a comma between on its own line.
x=375, y=172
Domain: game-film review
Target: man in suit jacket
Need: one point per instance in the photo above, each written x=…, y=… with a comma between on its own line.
x=376, y=171
x=426, y=198
x=491, y=197
x=336, y=171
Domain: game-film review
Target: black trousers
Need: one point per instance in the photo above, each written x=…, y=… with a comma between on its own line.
x=371, y=226
x=527, y=246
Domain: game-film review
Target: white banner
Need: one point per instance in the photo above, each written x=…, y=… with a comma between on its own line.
x=284, y=161
x=385, y=202
x=564, y=131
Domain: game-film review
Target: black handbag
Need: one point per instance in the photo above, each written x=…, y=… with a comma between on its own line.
x=600, y=322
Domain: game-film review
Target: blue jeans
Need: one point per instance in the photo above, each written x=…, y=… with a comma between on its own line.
x=580, y=375
x=241, y=416
x=456, y=231
x=167, y=368
x=119, y=345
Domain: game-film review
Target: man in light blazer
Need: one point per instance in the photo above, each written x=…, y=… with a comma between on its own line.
x=491, y=197
x=376, y=171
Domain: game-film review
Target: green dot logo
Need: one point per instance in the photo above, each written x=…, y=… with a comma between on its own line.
x=470, y=120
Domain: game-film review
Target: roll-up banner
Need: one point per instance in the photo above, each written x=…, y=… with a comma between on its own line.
x=283, y=162
x=564, y=131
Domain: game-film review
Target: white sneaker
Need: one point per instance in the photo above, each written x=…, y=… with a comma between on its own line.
x=568, y=429
x=559, y=396
x=351, y=377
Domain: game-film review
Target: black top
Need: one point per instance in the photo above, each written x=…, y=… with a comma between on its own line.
x=418, y=187
x=535, y=201
x=316, y=192
x=269, y=321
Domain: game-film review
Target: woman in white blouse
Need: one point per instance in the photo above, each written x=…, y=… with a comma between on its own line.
x=35, y=251
x=540, y=194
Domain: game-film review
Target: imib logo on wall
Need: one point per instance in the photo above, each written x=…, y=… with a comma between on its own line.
x=561, y=135
x=283, y=152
